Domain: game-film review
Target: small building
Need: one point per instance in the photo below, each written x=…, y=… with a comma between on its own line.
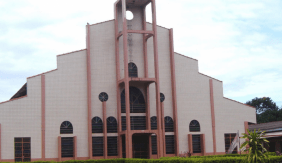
x=127, y=94
x=273, y=133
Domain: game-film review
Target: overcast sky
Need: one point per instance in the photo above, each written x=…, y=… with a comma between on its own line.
x=236, y=41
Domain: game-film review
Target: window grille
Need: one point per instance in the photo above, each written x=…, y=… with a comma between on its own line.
x=132, y=70
x=154, y=123
x=169, y=141
x=67, y=146
x=123, y=146
x=136, y=122
x=154, y=144
x=97, y=146
x=196, y=142
x=228, y=140
x=22, y=149
x=111, y=125
x=123, y=123
x=103, y=96
x=66, y=128
x=194, y=126
x=97, y=125
x=112, y=146
x=137, y=101
x=162, y=96
x=168, y=124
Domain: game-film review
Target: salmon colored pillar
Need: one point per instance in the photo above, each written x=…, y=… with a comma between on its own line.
x=59, y=149
x=126, y=83
x=117, y=82
x=105, y=130
x=75, y=147
x=0, y=144
x=89, y=93
x=163, y=129
x=203, y=144
x=212, y=116
x=156, y=60
x=173, y=86
x=190, y=147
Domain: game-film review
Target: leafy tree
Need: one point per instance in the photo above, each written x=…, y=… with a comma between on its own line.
x=266, y=109
x=253, y=145
x=262, y=104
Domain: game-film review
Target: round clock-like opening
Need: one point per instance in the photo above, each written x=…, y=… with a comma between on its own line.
x=129, y=15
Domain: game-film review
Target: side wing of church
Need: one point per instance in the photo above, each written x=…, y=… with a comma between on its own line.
x=127, y=95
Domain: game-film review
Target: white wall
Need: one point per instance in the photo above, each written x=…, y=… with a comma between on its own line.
x=193, y=94
x=66, y=100
x=22, y=118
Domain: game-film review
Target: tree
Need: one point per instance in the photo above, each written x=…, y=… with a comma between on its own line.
x=266, y=109
x=254, y=146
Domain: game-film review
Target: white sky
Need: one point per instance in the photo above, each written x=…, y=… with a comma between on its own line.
x=236, y=41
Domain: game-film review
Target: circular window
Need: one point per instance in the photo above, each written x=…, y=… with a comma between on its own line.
x=103, y=97
x=162, y=97
x=129, y=15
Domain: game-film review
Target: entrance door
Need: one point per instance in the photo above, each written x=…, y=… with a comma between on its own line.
x=140, y=144
x=22, y=149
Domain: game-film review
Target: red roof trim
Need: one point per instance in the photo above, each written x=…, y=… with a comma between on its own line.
x=185, y=56
x=102, y=22
x=209, y=77
x=239, y=102
x=42, y=73
x=13, y=99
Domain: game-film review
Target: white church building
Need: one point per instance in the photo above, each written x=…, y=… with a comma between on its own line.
x=126, y=95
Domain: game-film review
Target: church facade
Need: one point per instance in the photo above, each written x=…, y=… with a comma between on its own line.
x=127, y=95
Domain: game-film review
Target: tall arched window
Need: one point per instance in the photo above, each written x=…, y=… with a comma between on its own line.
x=97, y=125
x=66, y=128
x=194, y=126
x=137, y=101
x=111, y=125
x=154, y=123
x=132, y=70
x=168, y=124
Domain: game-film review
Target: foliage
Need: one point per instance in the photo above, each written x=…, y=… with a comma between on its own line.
x=266, y=109
x=229, y=158
x=254, y=146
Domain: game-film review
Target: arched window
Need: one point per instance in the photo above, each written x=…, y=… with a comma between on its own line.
x=66, y=128
x=154, y=123
x=97, y=125
x=111, y=125
x=194, y=126
x=137, y=101
x=132, y=70
x=168, y=124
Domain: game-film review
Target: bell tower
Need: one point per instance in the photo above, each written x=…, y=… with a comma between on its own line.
x=124, y=30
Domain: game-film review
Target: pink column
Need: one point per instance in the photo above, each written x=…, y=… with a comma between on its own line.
x=0, y=144
x=148, y=108
x=190, y=147
x=212, y=116
x=126, y=83
x=117, y=83
x=75, y=148
x=156, y=59
x=89, y=93
x=173, y=86
x=43, y=117
x=105, y=130
x=163, y=129
x=203, y=144
x=59, y=149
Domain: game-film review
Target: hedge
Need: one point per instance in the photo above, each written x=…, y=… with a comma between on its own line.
x=228, y=158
